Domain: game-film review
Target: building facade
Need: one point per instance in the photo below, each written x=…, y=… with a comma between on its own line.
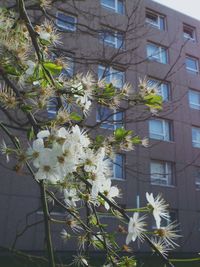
x=124, y=41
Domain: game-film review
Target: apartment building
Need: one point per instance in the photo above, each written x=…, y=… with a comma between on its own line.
x=124, y=41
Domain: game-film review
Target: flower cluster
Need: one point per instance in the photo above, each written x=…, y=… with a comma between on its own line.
x=60, y=156
x=163, y=237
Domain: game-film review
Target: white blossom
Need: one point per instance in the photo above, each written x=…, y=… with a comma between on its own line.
x=158, y=207
x=70, y=197
x=136, y=228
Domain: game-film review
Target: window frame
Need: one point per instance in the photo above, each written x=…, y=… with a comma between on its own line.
x=159, y=17
x=193, y=105
x=67, y=28
x=116, y=6
x=191, y=30
x=118, y=37
x=160, y=85
x=164, y=137
x=158, y=56
x=114, y=123
x=197, y=177
x=191, y=70
x=111, y=75
x=114, y=164
x=195, y=143
x=166, y=178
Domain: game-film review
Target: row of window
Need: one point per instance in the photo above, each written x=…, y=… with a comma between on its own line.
x=161, y=172
x=161, y=129
x=115, y=39
x=158, y=21
x=159, y=54
x=68, y=22
x=118, y=78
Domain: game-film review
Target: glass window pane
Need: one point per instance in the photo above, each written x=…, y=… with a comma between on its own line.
x=196, y=137
x=118, y=166
x=194, y=99
x=109, y=118
x=162, y=23
x=156, y=129
x=108, y=3
x=160, y=129
x=52, y=107
x=161, y=172
x=166, y=130
x=164, y=89
x=118, y=78
x=152, y=51
x=104, y=73
x=152, y=19
x=120, y=40
x=191, y=63
x=163, y=55
x=110, y=39
x=120, y=7
x=66, y=22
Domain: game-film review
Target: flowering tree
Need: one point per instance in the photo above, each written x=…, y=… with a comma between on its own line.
x=71, y=167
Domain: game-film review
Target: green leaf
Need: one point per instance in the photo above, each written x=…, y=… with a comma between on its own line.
x=121, y=133
x=53, y=68
x=136, y=140
x=30, y=134
x=75, y=116
x=99, y=139
x=26, y=108
x=153, y=101
x=11, y=70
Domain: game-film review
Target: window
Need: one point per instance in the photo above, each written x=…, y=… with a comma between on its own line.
x=161, y=172
x=111, y=75
x=117, y=167
x=194, y=99
x=157, y=53
x=162, y=87
x=195, y=137
x=66, y=21
x=160, y=129
x=192, y=65
x=110, y=119
x=52, y=107
x=155, y=20
x=189, y=32
x=197, y=177
x=114, y=5
x=112, y=38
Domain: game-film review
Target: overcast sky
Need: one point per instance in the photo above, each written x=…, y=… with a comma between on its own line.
x=188, y=7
